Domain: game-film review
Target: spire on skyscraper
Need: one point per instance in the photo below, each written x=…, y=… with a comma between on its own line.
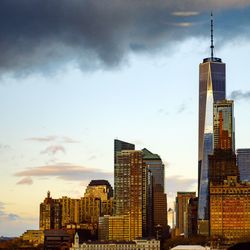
x=212, y=36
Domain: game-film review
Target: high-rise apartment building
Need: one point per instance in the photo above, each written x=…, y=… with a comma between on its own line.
x=182, y=202
x=243, y=162
x=212, y=88
x=130, y=181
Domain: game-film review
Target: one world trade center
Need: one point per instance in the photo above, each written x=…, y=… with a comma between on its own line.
x=212, y=88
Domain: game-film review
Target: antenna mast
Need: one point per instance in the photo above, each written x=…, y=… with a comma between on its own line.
x=212, y=36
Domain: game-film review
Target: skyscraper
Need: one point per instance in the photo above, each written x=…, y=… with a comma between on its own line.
x=122, y=145
x=182, y=201
x=222, y=163
x=130, y=176
x=224, y=134
x=243, y=162
x=158, y=201
x=212, y=88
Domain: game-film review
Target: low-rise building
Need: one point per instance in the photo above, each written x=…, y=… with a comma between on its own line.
x=35, y=237
x=119, y=245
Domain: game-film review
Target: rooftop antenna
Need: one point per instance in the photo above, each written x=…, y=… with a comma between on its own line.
x=212, y=36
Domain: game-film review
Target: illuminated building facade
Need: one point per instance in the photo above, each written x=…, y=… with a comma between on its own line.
x=212, y=88
x=70, y=210
x=114, y=228
x=130, y=181
x=102, y=190
x=99, y=189
x=222, y=162
x=50, y=214
x=230, y=211
x=243, y=162
x=182, y=201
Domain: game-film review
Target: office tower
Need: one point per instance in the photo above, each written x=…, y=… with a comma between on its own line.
x=192, y=216
x=50, y=214
x=122, y=145
x=158, y=201
x=130, y=176
x=182, y=201
x=102, y=190
x=212, y=88
x=229, y=211
x=222, y=162
x=99, y=189
x=223, y=123
x=243, y=162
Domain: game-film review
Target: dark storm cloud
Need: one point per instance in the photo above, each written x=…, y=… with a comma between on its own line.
x=44, y=35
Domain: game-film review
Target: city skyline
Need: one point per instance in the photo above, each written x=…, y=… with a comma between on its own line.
x=58, y=128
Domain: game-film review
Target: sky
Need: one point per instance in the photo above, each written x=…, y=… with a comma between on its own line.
x=75, y=75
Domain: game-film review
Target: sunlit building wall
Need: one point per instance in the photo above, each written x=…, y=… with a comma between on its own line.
x=182, y=201
x=114, y=228
x=229, y=211
x=99, y=189
x=50, y=214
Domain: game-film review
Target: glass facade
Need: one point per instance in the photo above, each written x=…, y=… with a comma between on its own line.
x=224, y=134
x=243, y=161
x=212, y=88
x=158, y=202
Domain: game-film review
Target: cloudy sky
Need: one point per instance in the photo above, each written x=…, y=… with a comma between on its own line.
x=75, y=75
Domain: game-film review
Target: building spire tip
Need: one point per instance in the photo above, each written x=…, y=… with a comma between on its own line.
x=212, y=36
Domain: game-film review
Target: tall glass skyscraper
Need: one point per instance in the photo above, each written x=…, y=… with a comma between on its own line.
x=212, y=88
